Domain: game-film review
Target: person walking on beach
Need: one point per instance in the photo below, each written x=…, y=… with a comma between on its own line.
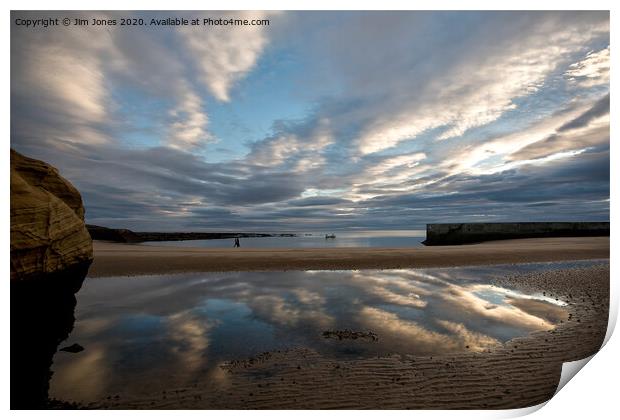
x=237, y=245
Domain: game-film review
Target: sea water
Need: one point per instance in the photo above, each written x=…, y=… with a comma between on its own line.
x=365, y=238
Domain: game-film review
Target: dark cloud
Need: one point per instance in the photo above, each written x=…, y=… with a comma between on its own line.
x=600, y=108
x=577, y=134
x=318, y=201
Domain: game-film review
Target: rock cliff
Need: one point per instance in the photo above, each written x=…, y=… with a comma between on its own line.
x=48, y=234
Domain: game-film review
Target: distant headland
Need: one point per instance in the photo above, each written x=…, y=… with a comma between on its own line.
x=101, y=233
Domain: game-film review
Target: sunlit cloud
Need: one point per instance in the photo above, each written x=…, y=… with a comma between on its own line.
x=226, y=54
x=477, y=93
x=592, y=70
x=190, y=126
x=501, y=153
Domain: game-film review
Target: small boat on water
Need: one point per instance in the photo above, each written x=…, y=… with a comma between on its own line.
x=330, y=236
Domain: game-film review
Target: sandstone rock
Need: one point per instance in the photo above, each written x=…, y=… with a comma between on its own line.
x=47, y=220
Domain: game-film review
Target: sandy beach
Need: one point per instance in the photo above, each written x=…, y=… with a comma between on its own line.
x=114, y=259
x=521, y=372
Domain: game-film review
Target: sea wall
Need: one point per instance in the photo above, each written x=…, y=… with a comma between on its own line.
x=464, y=233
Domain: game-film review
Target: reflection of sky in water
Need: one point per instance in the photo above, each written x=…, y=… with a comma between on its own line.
x=138, y=330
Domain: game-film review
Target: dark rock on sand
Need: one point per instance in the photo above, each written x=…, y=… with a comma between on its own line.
x=350, y=335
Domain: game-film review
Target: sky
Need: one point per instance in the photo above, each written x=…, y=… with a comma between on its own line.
x=320, y=120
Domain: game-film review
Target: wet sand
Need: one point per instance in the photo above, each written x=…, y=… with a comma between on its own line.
x=522, y=372
x=113, y=259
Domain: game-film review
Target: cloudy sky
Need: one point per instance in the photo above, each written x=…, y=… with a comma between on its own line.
x=321, y=121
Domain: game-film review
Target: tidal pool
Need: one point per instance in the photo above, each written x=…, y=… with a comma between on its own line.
x=138, y=332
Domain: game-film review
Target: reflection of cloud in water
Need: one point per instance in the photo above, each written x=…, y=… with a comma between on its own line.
x=418, y=339
x=408, y=332
x=465, y=299
x=410, y=299
x=308, y=297
x=471, y=339
x=90, y=369
x=279, y=311
x=539, y=308
x=94, y=326
x=189, y=337
x=391, y=288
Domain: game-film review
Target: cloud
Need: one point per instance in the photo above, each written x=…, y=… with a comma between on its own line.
x=563, y=143
x=60, y=81
x=479, y=88
x=599, y=109
x=500, y=153
x=389, y=120
x=589, y=129
x=189, y=128
x=226, y=54
x=300, y=147
x=591, y=71
x=78, y=79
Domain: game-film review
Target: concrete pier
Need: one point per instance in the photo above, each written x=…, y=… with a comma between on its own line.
x=464, y=233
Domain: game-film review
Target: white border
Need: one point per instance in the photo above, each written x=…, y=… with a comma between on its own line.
x=593, y=394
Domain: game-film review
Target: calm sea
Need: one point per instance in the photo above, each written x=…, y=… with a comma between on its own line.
x=366, y=238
